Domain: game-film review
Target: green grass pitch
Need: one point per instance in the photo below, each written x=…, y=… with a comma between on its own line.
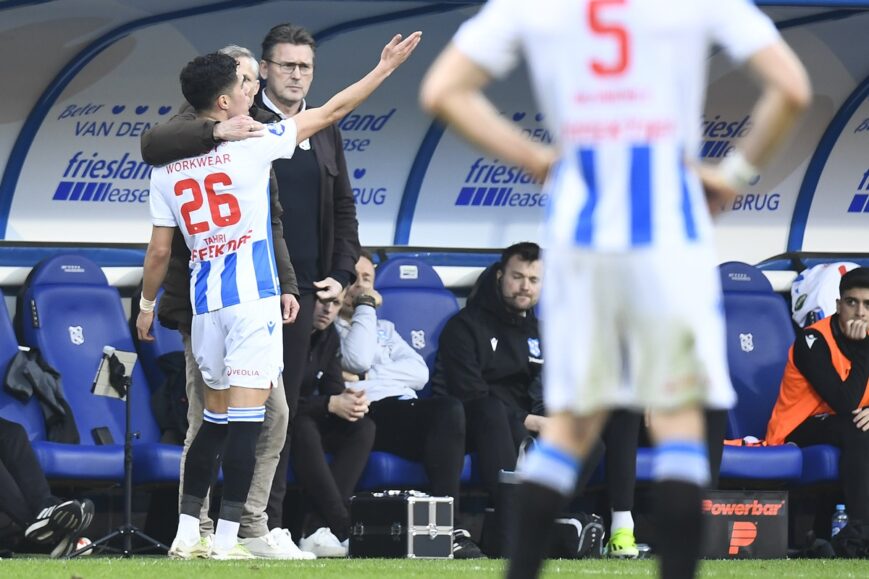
x=162, y=568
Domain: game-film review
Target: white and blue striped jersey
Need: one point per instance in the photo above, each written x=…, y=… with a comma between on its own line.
x=221, y=203
x=621, y=84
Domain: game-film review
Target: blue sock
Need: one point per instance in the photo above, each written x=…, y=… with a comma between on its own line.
x=681, y=460
x=552, y=468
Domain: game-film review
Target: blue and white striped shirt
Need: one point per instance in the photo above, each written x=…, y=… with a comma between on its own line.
x=621, y=84
x=221, y=203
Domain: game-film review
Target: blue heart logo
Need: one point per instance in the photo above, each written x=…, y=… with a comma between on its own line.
x=518, y=116
x=359, y=173
x=141, y=109
x=118, y=109
x=164, y=110
x=538, y=117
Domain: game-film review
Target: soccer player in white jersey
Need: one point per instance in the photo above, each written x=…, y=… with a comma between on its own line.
x=629, y=252
x=220, y=201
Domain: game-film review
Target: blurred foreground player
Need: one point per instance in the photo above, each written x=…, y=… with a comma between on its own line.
x=629, y=251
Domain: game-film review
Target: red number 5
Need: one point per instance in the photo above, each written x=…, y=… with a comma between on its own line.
x=215, y=200
x=617, y=33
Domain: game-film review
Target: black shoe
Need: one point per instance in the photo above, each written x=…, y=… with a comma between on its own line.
x=54, y=521
x=591, y=538
x=69, y=543
x=464, y=547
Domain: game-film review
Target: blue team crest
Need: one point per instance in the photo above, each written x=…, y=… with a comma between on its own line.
x=534, y=347
x=277, y=129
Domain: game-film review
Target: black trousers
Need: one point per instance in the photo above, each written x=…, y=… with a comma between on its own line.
x=23, y=488
x=297, y=344
x=494, y=432
x=427, y=430
x=622, y=437
x=853, y=462
x=330, y=485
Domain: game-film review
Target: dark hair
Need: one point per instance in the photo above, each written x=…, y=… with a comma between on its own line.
x=856, y=278
x=524, y=250
x=366, y=254
x=286, y=33
x=207, y=77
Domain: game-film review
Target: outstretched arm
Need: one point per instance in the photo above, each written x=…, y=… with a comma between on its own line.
x=311, y=121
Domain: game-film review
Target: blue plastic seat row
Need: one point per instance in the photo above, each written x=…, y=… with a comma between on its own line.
x=73, y=312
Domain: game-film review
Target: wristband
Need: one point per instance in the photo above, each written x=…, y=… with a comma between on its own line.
x=737, y=171
x=365, y=300
x=146, y=305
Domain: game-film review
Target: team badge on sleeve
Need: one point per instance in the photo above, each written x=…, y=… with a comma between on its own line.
x=534, y=347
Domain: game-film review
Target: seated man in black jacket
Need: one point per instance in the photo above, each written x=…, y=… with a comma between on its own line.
x=490, y=357
x=27, y=507
x=331, y=418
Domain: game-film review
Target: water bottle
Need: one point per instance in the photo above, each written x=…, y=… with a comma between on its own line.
x=840, y=519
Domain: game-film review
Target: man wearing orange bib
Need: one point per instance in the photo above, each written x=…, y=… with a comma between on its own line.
x=824, y=396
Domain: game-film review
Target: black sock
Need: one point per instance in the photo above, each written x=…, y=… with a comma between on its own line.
x=679, y=528
x=531, y=531
x=201, y=460
x=239, y=460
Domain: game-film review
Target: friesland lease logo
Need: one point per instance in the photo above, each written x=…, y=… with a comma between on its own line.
x=91, y=177
x=100, y=171
x=492, y=183
x=357, y=128
x=860, y=200
x=720, y=133
x=359, y=134
x=863, y=127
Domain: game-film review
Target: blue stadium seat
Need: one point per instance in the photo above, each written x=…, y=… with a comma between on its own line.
x=416, y=301
x=820, y=464
x=70, y=313
x=388, y=471
x=759, y=333
x=165, y=342
x=58, y=461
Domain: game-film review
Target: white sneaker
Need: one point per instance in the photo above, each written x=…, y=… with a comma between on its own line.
x=278, y=544
x=236, y=553
x=198, y=550
x=324, y=543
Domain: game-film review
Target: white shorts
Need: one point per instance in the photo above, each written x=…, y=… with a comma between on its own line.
x=643, y=329
x=240, y=345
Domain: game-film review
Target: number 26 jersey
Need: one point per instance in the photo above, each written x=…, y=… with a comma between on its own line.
x=220, y=202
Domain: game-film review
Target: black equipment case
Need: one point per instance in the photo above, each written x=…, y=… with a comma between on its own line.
x=401, y=524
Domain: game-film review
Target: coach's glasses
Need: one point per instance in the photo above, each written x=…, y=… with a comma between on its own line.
x=288, y=67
